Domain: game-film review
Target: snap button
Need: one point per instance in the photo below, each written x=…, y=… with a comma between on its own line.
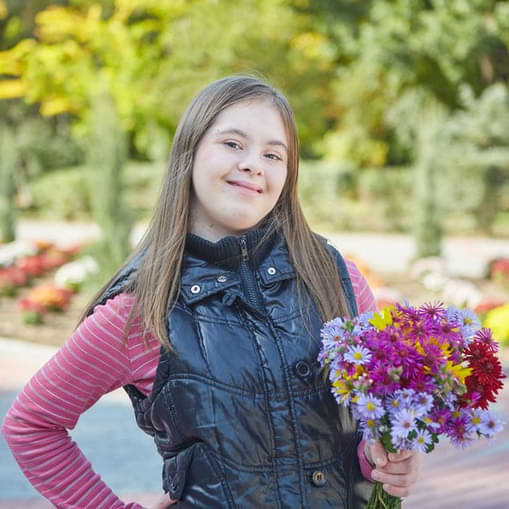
x=302, y=369
x=271, y=271
x=318, y=478
x=222, y=279
x=195, y=289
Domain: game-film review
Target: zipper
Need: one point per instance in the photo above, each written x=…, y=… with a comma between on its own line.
x=243, y=249
x=247, y=277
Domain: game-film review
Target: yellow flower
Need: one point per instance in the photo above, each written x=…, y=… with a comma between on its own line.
x=459, y=371
x=383, y=319
x=343, y=389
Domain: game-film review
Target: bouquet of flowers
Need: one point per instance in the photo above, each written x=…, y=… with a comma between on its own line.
x=410, y=375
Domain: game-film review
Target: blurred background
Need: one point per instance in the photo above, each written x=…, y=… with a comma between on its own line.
x=403, y=114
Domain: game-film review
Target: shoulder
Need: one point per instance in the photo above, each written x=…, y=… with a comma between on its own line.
x=363, y=293
x=341, y=262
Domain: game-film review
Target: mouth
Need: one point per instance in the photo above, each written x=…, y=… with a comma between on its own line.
x=245, y=185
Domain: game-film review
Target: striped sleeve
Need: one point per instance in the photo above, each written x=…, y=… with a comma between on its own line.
x=95, y=360
x=363, y=295
x=365, y=302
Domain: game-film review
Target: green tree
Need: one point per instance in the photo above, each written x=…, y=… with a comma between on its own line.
x=107, y=157
x=386, y=47
x=8, y=163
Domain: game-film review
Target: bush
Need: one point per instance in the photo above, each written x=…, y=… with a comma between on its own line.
x=65, y=193
x=388, y=192
x=62, y=194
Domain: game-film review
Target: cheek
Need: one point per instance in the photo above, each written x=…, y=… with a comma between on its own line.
x=277, y=182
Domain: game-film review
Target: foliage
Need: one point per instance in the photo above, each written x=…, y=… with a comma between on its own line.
x=8, y=162
x=61, y=194
x=386, y=47
x=343, y=65
x=152, y=56
x=476, y=167
x=107, y=156
x=65, y=193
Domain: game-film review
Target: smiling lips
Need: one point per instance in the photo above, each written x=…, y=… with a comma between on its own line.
x=246, y=185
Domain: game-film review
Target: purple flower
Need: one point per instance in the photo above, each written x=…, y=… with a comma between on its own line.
x=485, y=336
x=490, y=425
x=469, y=324
x=357, y=355
x=369, y=407
x=422, y=404
x=460, y=428
x=369, y=427
x=422, y=440
x=403, y=422
x=332, y=333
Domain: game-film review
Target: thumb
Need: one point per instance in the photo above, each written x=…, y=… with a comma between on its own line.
x=378, y=453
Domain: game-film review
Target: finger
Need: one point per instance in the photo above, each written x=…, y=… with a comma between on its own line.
x=401, y=467
x=401, y=480
x=400, y=456
x=378, y=453
x=396, y=491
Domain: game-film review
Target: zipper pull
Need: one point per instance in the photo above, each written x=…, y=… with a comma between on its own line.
x=243, y=248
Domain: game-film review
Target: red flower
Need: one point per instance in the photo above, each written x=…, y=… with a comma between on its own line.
x=13, y=276
x=485, y=381
x=500, y=268
x=30, y=305
x=487, y=305
x=54, y=258
x=31, y=265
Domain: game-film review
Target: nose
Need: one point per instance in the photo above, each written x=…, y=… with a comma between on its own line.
x=251, y=164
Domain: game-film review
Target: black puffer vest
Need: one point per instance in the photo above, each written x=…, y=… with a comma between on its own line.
x=241, y=415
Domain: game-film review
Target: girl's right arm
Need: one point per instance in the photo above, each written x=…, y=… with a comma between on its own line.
x=94, y=361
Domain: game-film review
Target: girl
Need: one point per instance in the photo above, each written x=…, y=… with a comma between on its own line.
x=213, y=328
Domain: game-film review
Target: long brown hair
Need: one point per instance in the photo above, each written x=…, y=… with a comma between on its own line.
x=156, y=285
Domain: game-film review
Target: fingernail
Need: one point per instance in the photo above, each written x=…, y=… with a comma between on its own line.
x=375, y=475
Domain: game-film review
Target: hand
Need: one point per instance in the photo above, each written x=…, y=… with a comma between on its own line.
x=397, y=471
x=164, y=502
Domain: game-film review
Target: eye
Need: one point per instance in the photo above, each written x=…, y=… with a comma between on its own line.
x=232, y=144
x=274, y=157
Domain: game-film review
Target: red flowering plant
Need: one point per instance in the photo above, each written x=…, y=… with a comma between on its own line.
x=499, y=270
x=32, y=266
x=410, y=375
x=54, y=258
x=11, y=278
x=50, y=297
x=32, y=312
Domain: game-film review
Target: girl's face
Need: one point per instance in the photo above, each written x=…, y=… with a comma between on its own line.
x=239, y=170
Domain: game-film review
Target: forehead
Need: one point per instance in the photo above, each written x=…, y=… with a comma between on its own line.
x=256, y=117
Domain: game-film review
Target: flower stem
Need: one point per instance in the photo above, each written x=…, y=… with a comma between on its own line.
x=380, y=499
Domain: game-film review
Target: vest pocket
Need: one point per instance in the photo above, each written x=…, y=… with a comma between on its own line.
x=193, y=478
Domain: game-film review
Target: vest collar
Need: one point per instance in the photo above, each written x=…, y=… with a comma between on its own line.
x=211, y=267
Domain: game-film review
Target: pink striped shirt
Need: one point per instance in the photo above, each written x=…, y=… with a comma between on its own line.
x=94, y=361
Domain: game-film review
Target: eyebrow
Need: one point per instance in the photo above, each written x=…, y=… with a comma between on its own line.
x=234, y=130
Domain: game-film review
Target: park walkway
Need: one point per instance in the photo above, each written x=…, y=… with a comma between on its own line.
x=477, y=478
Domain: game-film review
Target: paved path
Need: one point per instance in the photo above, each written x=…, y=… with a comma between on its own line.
x=472, y=479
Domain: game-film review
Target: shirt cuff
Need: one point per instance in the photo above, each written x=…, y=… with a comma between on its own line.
x=366, y=467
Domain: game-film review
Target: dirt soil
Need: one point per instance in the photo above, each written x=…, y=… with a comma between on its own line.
x=58, y=326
